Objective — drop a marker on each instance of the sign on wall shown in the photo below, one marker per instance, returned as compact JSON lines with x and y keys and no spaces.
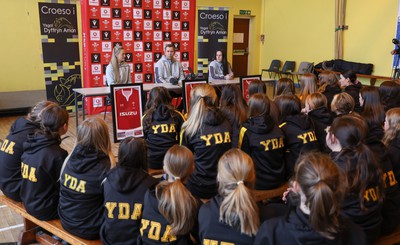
{"x":212,"y":35}
{"x":60,"y":47}
{"x":143,"y":28}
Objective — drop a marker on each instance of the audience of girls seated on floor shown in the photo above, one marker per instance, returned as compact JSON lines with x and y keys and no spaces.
{"x":125,"y":205}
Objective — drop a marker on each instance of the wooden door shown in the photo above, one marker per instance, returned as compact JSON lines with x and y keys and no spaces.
{"x":240,"y":46}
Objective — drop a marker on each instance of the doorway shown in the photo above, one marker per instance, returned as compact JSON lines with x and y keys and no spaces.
{"x":240,"y":53}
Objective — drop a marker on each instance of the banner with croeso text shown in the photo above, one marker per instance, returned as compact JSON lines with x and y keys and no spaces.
{"x":60,"y":51}
{"x":212,"y":35}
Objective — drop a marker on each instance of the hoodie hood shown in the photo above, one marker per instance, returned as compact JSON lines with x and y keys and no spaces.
{"x":37,"y":142}
{"x":23,"y":124}
{"x":126,"y":180}
{"x":302,"y":121}
{"x":162,"y":113}
{"x":84,"y":159}
{"x":259,"y":124}
{"x":321,"y":114}
{"x":214,"y":117}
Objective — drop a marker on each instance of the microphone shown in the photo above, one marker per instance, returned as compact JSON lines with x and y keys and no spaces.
{"x":395,"y":41}
{"x":192,"y":75}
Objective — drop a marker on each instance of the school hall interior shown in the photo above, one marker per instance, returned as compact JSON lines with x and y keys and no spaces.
{"x":278,"y":29}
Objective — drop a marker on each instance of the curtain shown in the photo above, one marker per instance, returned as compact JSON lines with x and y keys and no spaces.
{"x":340,"y":11}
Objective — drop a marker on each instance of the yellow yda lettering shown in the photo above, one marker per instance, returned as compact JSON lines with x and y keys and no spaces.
{"x":28,"y":172}
{"x":371,"y":194}
{"x":155,"y":230}
{"x":124,"y":211}
{"x":8,"y":147}
{"x":74,"y":183}
{"x":275,"y":143}
{"x":167,"y":237}
{"x":145,"y":224}
{"x":389,"y":178}
{"x":310,"y":135}
{"x":219,"y":138}
{"x":216,"y":242}
{"x":164,"y":128}
{"x":110,"y":206}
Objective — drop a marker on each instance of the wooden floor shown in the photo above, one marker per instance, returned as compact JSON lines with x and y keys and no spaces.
{"x":10,"y":222}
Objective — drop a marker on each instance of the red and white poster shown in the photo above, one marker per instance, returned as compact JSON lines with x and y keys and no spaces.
{"x":187,"y":86}
{"x":127,"y":110}
{"x":244,"y":85}
{"x":143,"y":28}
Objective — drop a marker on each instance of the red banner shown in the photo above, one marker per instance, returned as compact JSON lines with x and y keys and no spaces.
{"x":187,"y":86}
{"x":143,"y":28}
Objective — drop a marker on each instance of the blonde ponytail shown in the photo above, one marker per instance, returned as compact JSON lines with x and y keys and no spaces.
{"x":238,"y":208}
{"x":175,"y":202}
{"x":201,"y":97}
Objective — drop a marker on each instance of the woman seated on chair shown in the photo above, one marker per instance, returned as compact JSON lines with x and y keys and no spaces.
{"x":118,"y":72}
{"x":220,"y":68}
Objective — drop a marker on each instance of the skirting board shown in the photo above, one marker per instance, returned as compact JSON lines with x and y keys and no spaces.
{"x":10,"y":101}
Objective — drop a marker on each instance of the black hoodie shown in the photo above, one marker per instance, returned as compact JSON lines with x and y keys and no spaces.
{"x":155,"y":229}
{"x":162,"y":134}
{"x":393,"y":150}
{"x":295,"y":229}
{"x":321,"y":119}
{"x":262,"y":139}
{"x":354,"y":91}
{"x":299,"y":138}
{"x":330,"y":92}
{"x":369,"y":218}
{"x":212,"y":230}
{"x":124,"y":190}
{"x":40,"y":167}
{"x":391,"y":199}
{"x":210,"y":142}
{"x":81,"y":193}
{"x":10,"y":157}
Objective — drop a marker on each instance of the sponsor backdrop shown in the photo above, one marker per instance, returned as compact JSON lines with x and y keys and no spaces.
{"x":143,"y":28}
{"x":60,"y":47}
{"x":212,"y":35}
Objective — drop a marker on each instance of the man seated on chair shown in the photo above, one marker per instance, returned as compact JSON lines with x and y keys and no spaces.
{"x":167,"y":69}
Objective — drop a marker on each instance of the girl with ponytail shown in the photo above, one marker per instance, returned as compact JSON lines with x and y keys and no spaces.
{"x":118,"y":72}
{"x":12,"y":149}
{"x":231,"y":217}
{"x":208,"y":135}
{"x":316,"y":218}
{"x":363,"y":175}
{"x":81,"y":192}
{"x":170,"y":206}
{"x":41,"y":163}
